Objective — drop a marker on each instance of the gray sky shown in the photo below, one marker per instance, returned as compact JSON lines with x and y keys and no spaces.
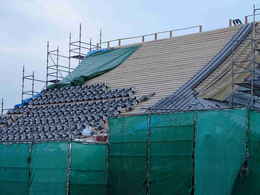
{"x":26,"y":25}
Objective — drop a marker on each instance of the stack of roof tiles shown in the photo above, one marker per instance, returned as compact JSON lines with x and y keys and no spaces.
{"x":62,"y":114}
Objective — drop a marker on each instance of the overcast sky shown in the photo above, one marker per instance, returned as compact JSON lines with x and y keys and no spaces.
{"x":26,"y":25}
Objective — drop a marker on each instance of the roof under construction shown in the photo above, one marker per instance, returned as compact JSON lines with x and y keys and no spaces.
{"x":202,"y":70}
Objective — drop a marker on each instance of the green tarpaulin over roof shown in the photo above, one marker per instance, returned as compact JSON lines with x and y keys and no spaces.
{"x":99,"y":63}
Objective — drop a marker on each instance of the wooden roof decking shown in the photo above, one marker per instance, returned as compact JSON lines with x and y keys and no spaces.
{"x":165,"y":65}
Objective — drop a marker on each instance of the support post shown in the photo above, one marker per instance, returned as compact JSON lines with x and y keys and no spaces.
{"x":69,"y":167}
{"x":148,"y":156}
{"x":100,"y":38}
{"x":29,"y":161}
{"x":69,"y":52}
{"x":22,"y":85}
{"x":200,"y":28}
{"x":170,"y":34}
{"x":80,"y":41}
{"x":57,"y":64}
{"x":230,"y":22}
{"x":33,"y":84}
{"x":155,"y":36}
{"x":246,"y":19}
{"x":2,"y":107}
{"x":90,"y":44}
{"x":253,"y":65}
{"x":47,"y":63}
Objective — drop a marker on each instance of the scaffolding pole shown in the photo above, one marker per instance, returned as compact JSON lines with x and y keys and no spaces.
{"x":100,"y":39}
{"x":32,"y":79}
{"x":55,"y":70}
{"x":2,"y":106}
{"x":79,"y":41}
{"x":237,"y":65}
{"x":69,"y":53}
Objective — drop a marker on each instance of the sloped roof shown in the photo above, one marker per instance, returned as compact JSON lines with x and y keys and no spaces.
{"x":185,"y":97}
{"x":163,"y":66}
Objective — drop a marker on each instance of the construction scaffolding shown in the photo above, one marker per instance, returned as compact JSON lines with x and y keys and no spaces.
{"x":245,"y":66}
{"x":3,"y":109}
{"x":54,"y":68}
{"x":2,"y":106}
{"x":31,"y":78}
{"x":58,"y":66}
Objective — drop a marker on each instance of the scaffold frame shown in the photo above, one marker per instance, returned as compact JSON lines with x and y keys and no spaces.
{"x":236,"y":63}
{"x":31,"y":78}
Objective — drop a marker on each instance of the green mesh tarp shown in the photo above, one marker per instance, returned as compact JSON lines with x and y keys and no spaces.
{"x":171,"y":153}
{"x":97,"y":64}
{"x":248,"y":183}
{"x":127,"y":163}
{"x":219,"y":150}
{"x":49,"y":169}
{"x":150,"y":153}
{"x":14,"y":170}
{"x":40,"y":169}
{"x":89,"y":169}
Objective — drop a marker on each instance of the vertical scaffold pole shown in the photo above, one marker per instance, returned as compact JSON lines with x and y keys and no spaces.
{"x":90,"y":44}
{"x":232,"y":77}
{"x":2,"y":106}
{"x":80,"y":41}
{"x":57,"y":65}
{"x":147,"y":183}
{"x":30,"y":150}
{"x":253,"y":49}
{"x":69,"y":52}
{"x":22,"y":85}
{"x":33,"y":84}
{"x":100,"y":39}
{"x":69,"y":164}
{"x":47,"y":64}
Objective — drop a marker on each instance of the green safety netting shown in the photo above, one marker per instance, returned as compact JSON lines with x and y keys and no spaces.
{"x":171,"y":167}
{"x":127,"y":157}
{"x":49,"y":169}
{"x":14,"y":169}
{"x":40,"y":169}
{"x":248,"y":183}
{"x":149,"y":154}
{"x":89,"y":169}
{"x":154,"y":153}
{"x":98,"y":64}
{"x":219,"y":150}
